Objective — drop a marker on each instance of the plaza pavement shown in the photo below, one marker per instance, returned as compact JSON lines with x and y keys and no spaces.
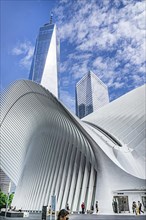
{"x":85,"y":217}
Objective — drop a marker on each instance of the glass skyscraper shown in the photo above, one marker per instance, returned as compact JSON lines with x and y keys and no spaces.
{"x":44,"y":68}
{"x":91,"y":94}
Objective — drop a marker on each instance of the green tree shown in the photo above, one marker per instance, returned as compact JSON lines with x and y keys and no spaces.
{"x":10,"y":199}
{"x":4,"y":198}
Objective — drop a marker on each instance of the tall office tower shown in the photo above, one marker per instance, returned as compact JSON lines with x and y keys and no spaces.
{"x":45,"y":63}
{"x":91,"y":94}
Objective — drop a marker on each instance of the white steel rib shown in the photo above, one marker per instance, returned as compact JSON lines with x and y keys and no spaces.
{"x":46,"y":150}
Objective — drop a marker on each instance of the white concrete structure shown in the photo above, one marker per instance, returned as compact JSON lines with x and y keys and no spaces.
{"x":91,"y":94}
{"x":44,"y":68}
{"x":46,"y":150}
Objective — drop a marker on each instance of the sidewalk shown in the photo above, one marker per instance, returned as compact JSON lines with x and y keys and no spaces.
{"x":118,"y":214}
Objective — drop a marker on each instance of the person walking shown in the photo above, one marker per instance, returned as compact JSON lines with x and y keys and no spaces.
{"x":134,"y":208}
{"x":63,"y":215}
{"x":96,"y":206}
{"x":67,"y":207}
{"x":115,"y":206}
{"x":83,"y":207}
{"x":92,"y":208}
{"x":49,"y":211}
{"x":139,"y":207}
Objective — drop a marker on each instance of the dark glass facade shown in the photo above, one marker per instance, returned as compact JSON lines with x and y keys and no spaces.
{"x":91,"y":94}
{"x":41,"y":51}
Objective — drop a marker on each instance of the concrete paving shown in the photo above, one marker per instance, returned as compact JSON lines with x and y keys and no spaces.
{"x":85,"y":217}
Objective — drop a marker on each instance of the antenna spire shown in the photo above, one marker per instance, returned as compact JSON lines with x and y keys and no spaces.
{"x":51,"y":17}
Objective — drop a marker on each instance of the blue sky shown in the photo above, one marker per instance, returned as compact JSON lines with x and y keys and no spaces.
{"x":105,"y":36}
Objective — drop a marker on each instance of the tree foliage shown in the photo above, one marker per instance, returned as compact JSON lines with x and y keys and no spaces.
{"x":4,"y":198}
{"x":10,"y":199}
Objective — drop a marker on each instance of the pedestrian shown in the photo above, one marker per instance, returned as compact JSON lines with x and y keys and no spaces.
{"x":115,"y":206}
{"x":96,"y":206}
{"x":63,"y":215}
{"x":92,"y":207}
{"x":67,"y":207}
{"x":83,"y":207}
{"x":14,"y":208}
{"x":134,"y":208}
{"x":49,"y":210}
{"x":139,"y":207}
{"x":20,"y":210}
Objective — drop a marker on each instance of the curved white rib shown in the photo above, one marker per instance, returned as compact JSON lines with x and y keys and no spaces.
{"x":48,"y":151}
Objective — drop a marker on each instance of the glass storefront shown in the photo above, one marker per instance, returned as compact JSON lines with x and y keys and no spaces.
{"x":143,"y":198}
{"x":120,"y":204}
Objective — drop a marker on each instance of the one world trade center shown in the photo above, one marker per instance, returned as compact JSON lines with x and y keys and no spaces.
{"x":45,"y":63}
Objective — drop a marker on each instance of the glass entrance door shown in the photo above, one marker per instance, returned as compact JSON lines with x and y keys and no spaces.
{"x":122,"y":203}
{"x":144,"y":202}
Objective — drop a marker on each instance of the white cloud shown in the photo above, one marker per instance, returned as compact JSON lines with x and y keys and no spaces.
{"x":79,"y":69}
{"x":142,"y":68}
{"x":118,"y":85}
{"x":63,"y":66}
{"x":103,"y":28}
{"x":99,"y":63}
{"x":137,"y":79}
{"x":17,"y":51}
{"x":25,"y":52}
{"x":65,"y":81}
{"x":63,"y":1}
{"x":79,"y":56}
{"x":112,"y":33}
{"x":68,"y":100}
